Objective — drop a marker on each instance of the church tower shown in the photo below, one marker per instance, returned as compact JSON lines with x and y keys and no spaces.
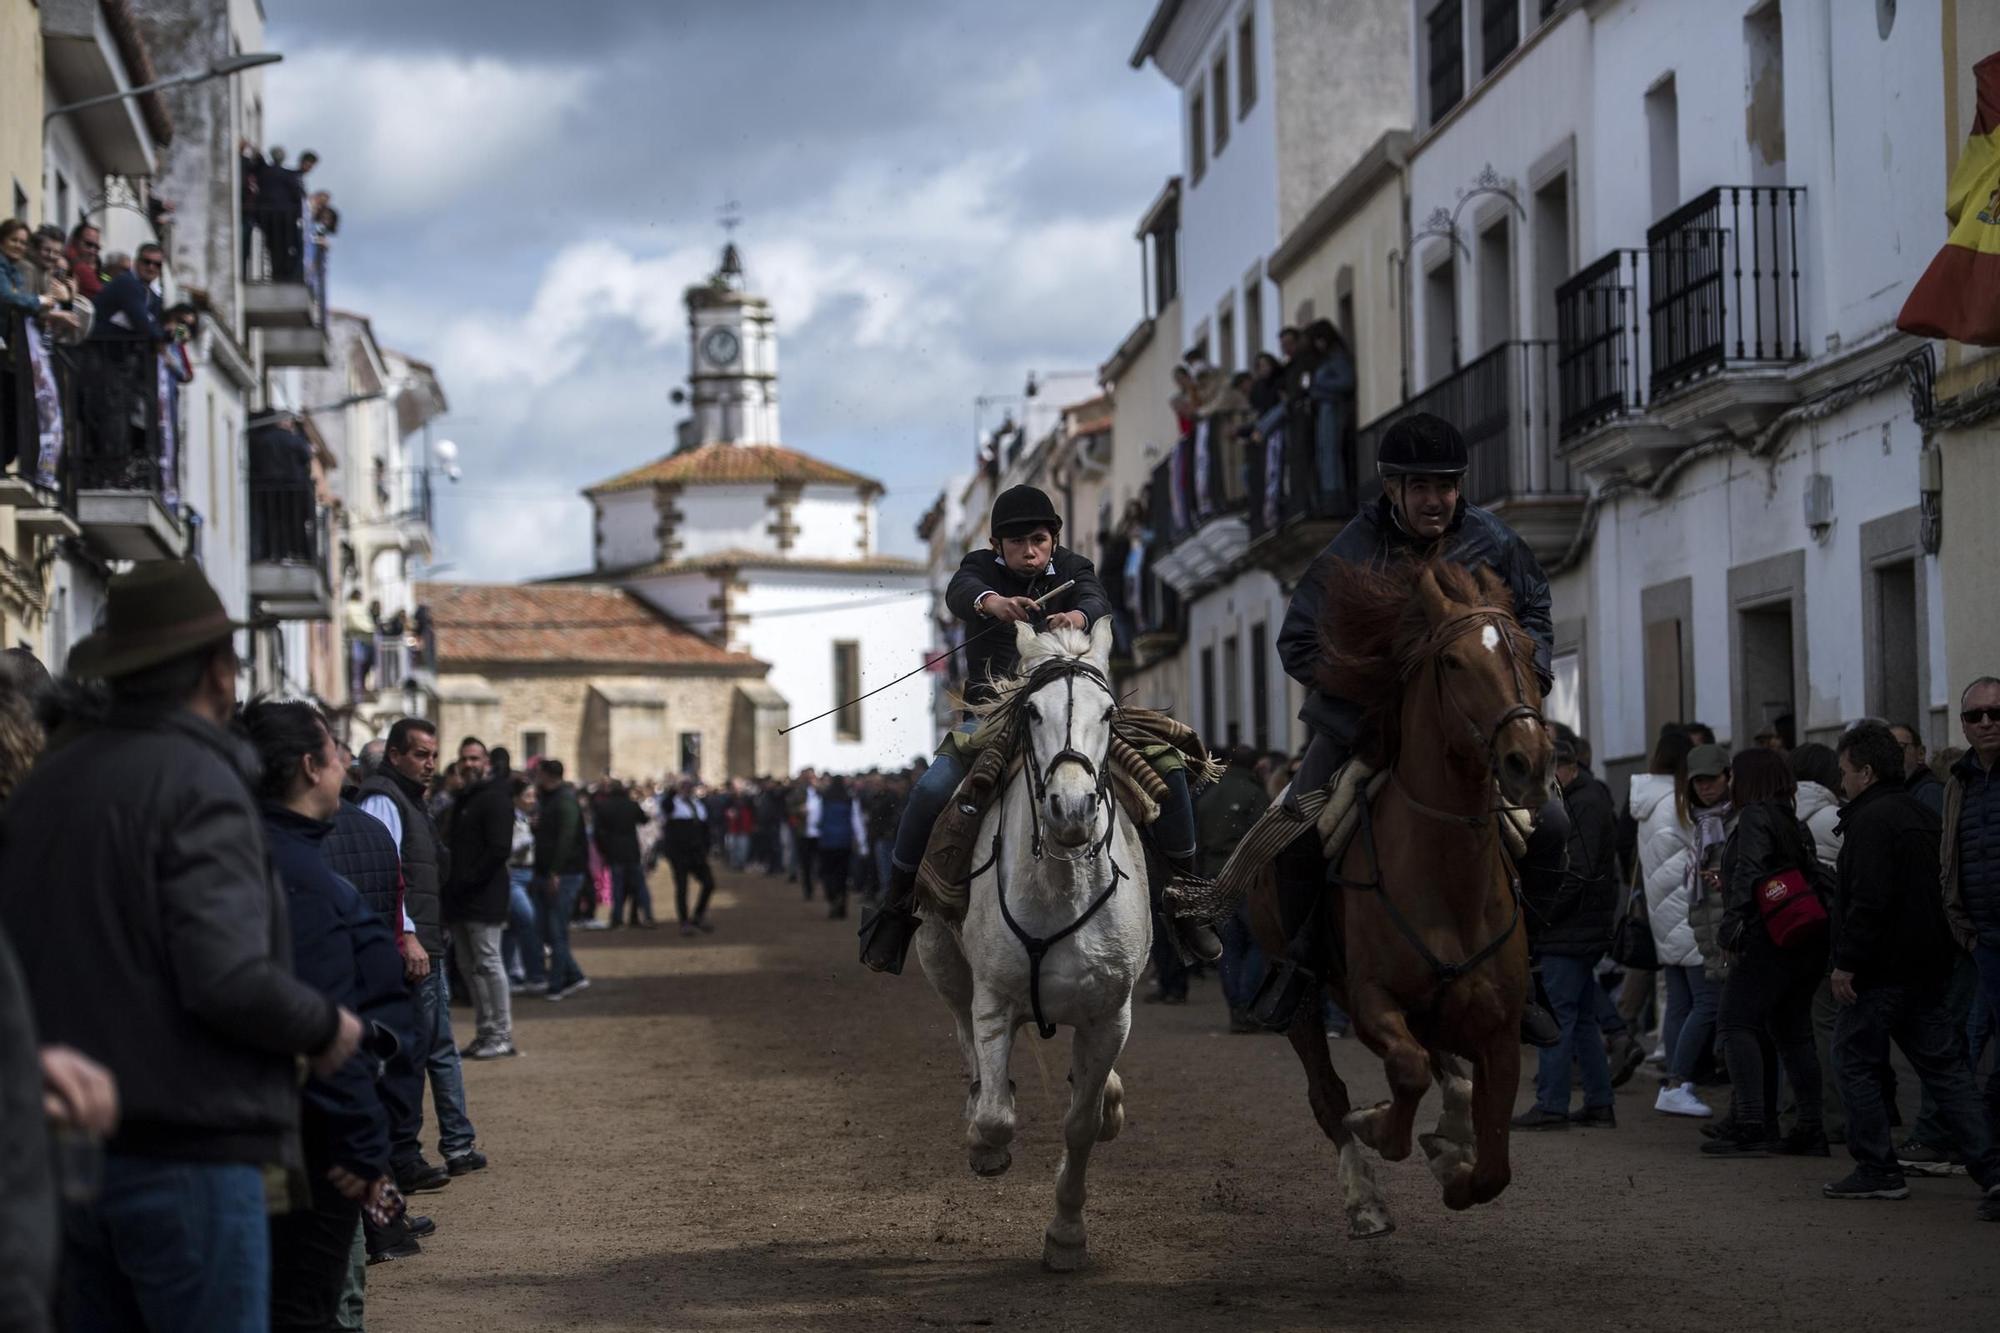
{"x":732,"y":361}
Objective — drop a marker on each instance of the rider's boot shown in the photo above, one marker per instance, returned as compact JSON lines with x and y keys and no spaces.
{"x":1197,"y":938}
{"x":1538,"y":1025}
{"x":887,"y":931}
{"x":1291,"y":979}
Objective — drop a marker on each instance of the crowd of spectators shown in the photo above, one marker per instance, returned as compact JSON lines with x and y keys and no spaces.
{"x":292,"y":223}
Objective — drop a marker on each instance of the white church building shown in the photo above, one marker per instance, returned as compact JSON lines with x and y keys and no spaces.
{"x":770,"y":551}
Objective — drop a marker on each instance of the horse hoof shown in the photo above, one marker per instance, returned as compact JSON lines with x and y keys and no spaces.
{"x":1369,"y":1222}
{"x":991,"y":1162}
{"x":1114,"y":1120}
{"x":1060,"y":1257}
{"x":1361,"y":1124}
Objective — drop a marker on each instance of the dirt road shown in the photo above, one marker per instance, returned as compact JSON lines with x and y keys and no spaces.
{"x":746,"y":1131}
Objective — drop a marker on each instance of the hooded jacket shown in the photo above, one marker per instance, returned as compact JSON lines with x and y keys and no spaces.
{"x":1474,"y":538}
{"x":1819,"y":811}
{"x":989,"y":649}
{"x":1888,"y":911}
{"x":1666,"y":849}
{"x":166,"y":957}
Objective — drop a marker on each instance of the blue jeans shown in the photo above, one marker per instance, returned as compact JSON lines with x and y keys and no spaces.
{"x":1569,"y":982}
{"x":439,"y":1053}
{"x":1173,"y":830}
{"x":170,"y":1245}
{"x":1242,"y":962}
{"x":1689,"y":1027}
{"x":522,"y":944}
{"x":552,"y":915}
{"x":628,"y":884}
{"x":1921,"y":1027}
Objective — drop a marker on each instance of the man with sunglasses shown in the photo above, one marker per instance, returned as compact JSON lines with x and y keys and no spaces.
{"x":129,"y":309}
{"x":1971,"y":849}
{"x":84,"y":251}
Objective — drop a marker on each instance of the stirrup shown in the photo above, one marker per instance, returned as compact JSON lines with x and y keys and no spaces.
{"x":1286,"y":985}
{"x":886,"y":933}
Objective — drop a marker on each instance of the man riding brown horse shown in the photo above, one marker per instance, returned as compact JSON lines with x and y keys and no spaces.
{"x":1422,"y":513}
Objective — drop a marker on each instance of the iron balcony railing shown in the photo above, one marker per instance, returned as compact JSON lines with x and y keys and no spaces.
{"x":1600,"y":349}
{"x":288,"y":525}
{"x":1723,"y":270}
{"x":1504,"y":405}
{"x":1201,"y":479}
{"x":127,"y":435}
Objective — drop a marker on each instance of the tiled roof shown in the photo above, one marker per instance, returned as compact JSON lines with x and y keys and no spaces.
{"x":872,"y":564}
{"x":718,"y":463}
{"x":566,"y":623}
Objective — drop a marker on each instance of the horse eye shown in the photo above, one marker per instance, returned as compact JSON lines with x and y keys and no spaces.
{"x":1452,"y":662}
{"x":1034,"y":713}
{"x":1110,"y":713}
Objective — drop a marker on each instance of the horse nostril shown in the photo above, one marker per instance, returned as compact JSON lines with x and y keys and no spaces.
{"x":1516,"y":767}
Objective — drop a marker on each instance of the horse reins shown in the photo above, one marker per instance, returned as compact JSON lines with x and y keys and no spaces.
{"x":1038,"y":946}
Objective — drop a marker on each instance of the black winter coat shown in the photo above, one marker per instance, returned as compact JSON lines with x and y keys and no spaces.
{"x":360,"y":851}
{"x":1888,"y":911}
{"x":1475,"y":538}
{"x":137,"y":890}
{"x":346,"y":952}
{"x":1573,"y":912}
{"x":616,"y":829}
{"x":1767,"y":841}
{"x":425,"y":858}
{"x":994,"y":656}
{"x":482,"y":838}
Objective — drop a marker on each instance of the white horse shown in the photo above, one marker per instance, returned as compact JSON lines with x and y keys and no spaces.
{"x":1061,"y":870}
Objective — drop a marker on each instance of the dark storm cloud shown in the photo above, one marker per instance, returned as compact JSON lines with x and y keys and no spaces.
{"x":935,"y":195}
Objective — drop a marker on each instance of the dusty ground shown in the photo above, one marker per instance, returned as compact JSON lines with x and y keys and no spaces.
{"x":746,"y":1131}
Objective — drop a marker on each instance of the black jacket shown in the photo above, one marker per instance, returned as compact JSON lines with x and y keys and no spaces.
{"x":345,"y":951}
{"x":1373,"y":537}
{"x":993,"y":655}
{"x":559,"y":847}
{"x":1888,"y":910}
{"x":29,"y":1222}
{"x":1573,"y":912}
{"x":482,"y":838}
{"x":166,"y":954}
{"x":360,"y":851}
{"x":1767,"y":841}
{"x":615,"y":830}
{"x":426,"y":861}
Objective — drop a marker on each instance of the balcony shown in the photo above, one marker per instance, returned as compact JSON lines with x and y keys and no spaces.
{"x":284,"y":291}
{"x":1295,"y":507}
{"x":1200,"y":505}
{"x":289,"y":552}
{"x":1697,"y":331}
{"x":1504,"y":405}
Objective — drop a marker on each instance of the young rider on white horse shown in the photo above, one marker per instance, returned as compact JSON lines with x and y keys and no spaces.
{"x":994,"y":587}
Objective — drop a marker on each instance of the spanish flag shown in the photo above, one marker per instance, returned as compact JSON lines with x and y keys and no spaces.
{"x":1959,"y":295}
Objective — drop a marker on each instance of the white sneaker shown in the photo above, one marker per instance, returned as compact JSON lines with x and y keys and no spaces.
{"x":1682,"y":1101}
{"x":1658,"y":1057}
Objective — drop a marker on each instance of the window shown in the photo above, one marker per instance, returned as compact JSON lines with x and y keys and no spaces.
{"x":61,"y":214}
{"x":1440,"y":321}
{"x":1564,"y":703}
{"x":20,"y":202}
{"x":1208,"y":724}
{"x":1496,"y":286}
{"x":1232,"y":690}
{"x":1260,"y":687}
{"x":1253,"y":319}
{"x":1218,"y":78}
{"x":1225,"y":338}
{"x":847,"y":684}
{"x":1764,"y":99}
{"x":1550,"y":221}
{"x":1246,"y":62}
{"x":1499,"y":32}
{"x":1445,"y":30}
{"x":534,"y":745}
{"x":1166,"y":267}
{"x":691,"y":753}
{"x":1197,"y":149}
{"x":1896,"y":682}
{"x":1663,"y":145}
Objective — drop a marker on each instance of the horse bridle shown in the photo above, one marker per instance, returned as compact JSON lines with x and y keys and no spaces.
{"x":1039,"y":775}
{"x":1430,"y":653}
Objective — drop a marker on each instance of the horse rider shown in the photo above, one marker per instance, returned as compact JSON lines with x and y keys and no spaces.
{"x":996,"y":586}
{"x":1422,"y":512}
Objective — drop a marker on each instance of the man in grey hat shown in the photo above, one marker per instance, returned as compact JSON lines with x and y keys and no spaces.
{"x":166,"y":957}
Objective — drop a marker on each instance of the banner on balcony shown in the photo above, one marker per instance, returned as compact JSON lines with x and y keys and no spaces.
{"x":1204,"y":503}
{"x":1272,"y":500}
{"x":1178,"y":488}
{"x":1958,"y":296}
{"x":170,"y":474}
{"x":48,"y":408}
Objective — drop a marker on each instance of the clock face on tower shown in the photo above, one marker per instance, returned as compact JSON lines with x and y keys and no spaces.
{"x":720,"y":347}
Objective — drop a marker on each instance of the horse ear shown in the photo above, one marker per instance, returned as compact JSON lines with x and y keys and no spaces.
{"x":1431,"y":597}
{"x":1492,"y":587}
{"x":1100,"y":643}
{"x":1024,"y":636}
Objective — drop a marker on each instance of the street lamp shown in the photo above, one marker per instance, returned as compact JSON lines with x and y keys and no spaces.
{"x":221,"y":69}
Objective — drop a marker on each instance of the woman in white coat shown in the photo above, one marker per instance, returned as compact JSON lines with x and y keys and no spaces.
{"x":1659,"y":801}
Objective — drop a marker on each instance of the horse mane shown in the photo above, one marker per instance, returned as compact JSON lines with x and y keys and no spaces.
{"x":1372,"y":625}
{"x":1049,"y":643}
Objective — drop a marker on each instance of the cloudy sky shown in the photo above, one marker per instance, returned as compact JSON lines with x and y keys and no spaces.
{"x":938,"y":196}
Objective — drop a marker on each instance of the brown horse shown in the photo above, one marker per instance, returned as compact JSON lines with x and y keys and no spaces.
{"x":1422,"y":923}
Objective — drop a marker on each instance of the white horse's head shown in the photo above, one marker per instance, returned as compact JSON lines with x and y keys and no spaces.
{"x":1066,"y":720}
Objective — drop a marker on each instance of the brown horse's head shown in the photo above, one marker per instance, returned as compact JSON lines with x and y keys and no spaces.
{"x":1435,"y":638}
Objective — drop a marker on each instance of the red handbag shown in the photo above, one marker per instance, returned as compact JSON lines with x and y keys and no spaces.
{"x":1790,"y":908}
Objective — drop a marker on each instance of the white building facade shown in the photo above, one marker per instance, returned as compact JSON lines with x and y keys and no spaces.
{"x":772,"y":552}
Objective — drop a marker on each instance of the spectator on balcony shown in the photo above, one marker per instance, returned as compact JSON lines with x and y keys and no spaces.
{"x":68,"y":321}
{"x":281,"y":496}
{"x":360,"y":626}
{"x":129,"y":309}
{"x":250,"y":170}
{"x":1331,"y":393}
{"x":281,"y":202}
{"x":1183,"y":400}
{"x":84,"y":253}
{"x":19,"y":292}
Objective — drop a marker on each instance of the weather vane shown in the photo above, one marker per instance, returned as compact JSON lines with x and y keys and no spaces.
{"x":732,"y":217}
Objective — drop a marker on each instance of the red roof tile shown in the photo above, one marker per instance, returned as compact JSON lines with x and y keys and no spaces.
{"x":575,"y":623}
{"x":718,"y":463}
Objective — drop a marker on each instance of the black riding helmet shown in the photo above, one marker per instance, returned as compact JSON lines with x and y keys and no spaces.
{"x":1422,"y":445}
{"x":1021,"y":509}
